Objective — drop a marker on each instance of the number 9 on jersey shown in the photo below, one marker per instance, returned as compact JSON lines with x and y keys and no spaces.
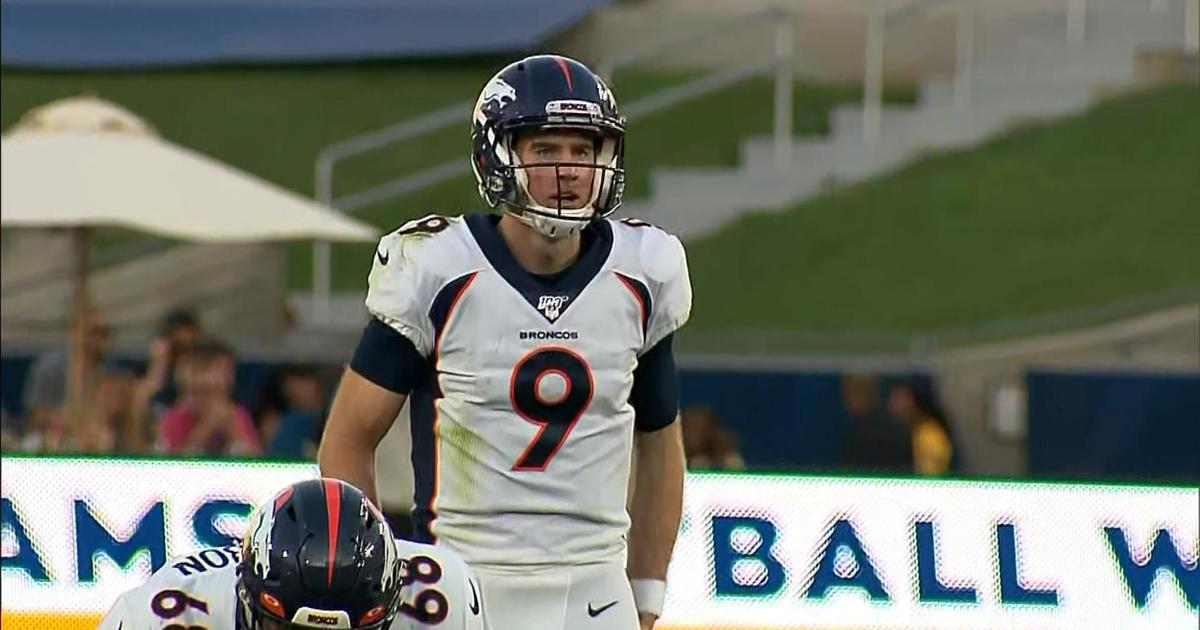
{"x":550,"y":387}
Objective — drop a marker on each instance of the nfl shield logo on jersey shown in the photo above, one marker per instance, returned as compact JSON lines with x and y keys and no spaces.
{"x":550,"y":305}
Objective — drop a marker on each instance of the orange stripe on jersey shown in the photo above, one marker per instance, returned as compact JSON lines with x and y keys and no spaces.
{"x":437,"y":355}
{"x":641,"y":294}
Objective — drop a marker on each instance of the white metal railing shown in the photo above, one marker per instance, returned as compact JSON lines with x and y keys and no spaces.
{"x":877,"y":20}
{"x":780,"y":62}
{"x":1191,"y":25}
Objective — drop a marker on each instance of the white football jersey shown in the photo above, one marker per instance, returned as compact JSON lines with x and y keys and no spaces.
{"x":199,"y":591}
{"x":522,"y":433}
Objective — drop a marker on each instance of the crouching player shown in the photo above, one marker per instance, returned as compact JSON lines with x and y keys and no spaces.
{"x":317,"y":555}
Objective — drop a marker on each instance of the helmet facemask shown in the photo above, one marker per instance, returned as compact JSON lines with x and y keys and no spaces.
{"x":560,"y":215}
{"x":548,"y":93}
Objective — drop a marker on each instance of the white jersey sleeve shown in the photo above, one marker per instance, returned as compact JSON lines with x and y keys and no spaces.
{"x":402,"y":284}
{"x":664,"y":264}
{"x":441,"y":592}
{"x":188,"y":592}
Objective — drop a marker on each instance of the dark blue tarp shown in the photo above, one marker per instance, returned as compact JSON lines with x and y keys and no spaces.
{"x":149,"y":33}
{"x":1114,"y":425}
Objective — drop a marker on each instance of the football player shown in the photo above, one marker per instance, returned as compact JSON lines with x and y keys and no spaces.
{"x":534,"y":348}
{"x":317,"y":555}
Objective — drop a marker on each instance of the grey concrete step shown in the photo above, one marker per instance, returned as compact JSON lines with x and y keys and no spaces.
{"x":942,"y":127}
{"x":1054,"y":100}
{"x":694,"y":201}
{"x":825,"y":158}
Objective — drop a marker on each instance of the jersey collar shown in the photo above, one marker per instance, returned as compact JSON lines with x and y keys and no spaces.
{"x":568,"y":284}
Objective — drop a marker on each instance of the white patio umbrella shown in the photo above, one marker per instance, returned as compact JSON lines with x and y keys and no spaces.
{"x":82,"y":163}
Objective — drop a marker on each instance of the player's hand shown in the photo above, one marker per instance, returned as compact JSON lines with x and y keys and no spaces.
{"x":646,"y":621}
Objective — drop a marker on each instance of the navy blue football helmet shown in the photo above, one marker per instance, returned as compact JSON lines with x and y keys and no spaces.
{"x":546,"y":92}
{"x":318,"y":554}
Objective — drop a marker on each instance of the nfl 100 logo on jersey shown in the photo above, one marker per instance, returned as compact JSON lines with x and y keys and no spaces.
{"x":551,"y":305}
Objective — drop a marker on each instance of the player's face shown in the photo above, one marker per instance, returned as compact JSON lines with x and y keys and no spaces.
{"x":570,"y":159}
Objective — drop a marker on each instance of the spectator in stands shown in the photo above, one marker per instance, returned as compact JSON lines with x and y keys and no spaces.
{"x":873,"y":440}
{"x":8,"y":431}
{"x":206,"y":420}
{"x":725,"y":454}
{"x":158,"y":388}
{"x":706,"y":444}
{"x":291,"y":412}
{"x":176,"y":335}
{"x":270,"y":403}
{"x":107,"y":421}
{"x":699,"y":424}
{"x":46,"y":386}
{"x":931,"y":440}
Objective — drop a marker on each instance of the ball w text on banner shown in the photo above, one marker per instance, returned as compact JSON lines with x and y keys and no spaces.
{"x":760,"y":551}
{"x":754,"y":551}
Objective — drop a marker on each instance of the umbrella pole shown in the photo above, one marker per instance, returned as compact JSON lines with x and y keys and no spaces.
{"x":79,"y":365}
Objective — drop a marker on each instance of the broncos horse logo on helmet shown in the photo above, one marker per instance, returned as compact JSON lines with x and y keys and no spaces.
{"x":318,"y":554}
{"x":546,"y":92}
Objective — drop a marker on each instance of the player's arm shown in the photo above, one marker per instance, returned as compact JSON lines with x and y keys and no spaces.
{"x":388,"y":362}
{"x":658,"y":477}
{"x":361,"y":415}
{"x":657,"y":495}
{"x":385,"y":367}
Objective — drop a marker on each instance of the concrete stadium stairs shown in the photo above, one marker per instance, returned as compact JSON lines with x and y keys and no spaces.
{"x":1024,"y":71}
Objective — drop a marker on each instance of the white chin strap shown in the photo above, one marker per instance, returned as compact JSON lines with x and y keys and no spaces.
{"x":549,"y":226}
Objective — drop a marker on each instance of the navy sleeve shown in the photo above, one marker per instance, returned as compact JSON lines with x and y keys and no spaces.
{"x":655,"y":394}
{"x":388,"y":359}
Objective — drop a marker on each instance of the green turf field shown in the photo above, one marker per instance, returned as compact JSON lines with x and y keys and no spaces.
{"x":1081,"y":212}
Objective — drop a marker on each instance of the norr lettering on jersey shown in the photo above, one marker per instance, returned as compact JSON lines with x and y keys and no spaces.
{"x":207,"y":559}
